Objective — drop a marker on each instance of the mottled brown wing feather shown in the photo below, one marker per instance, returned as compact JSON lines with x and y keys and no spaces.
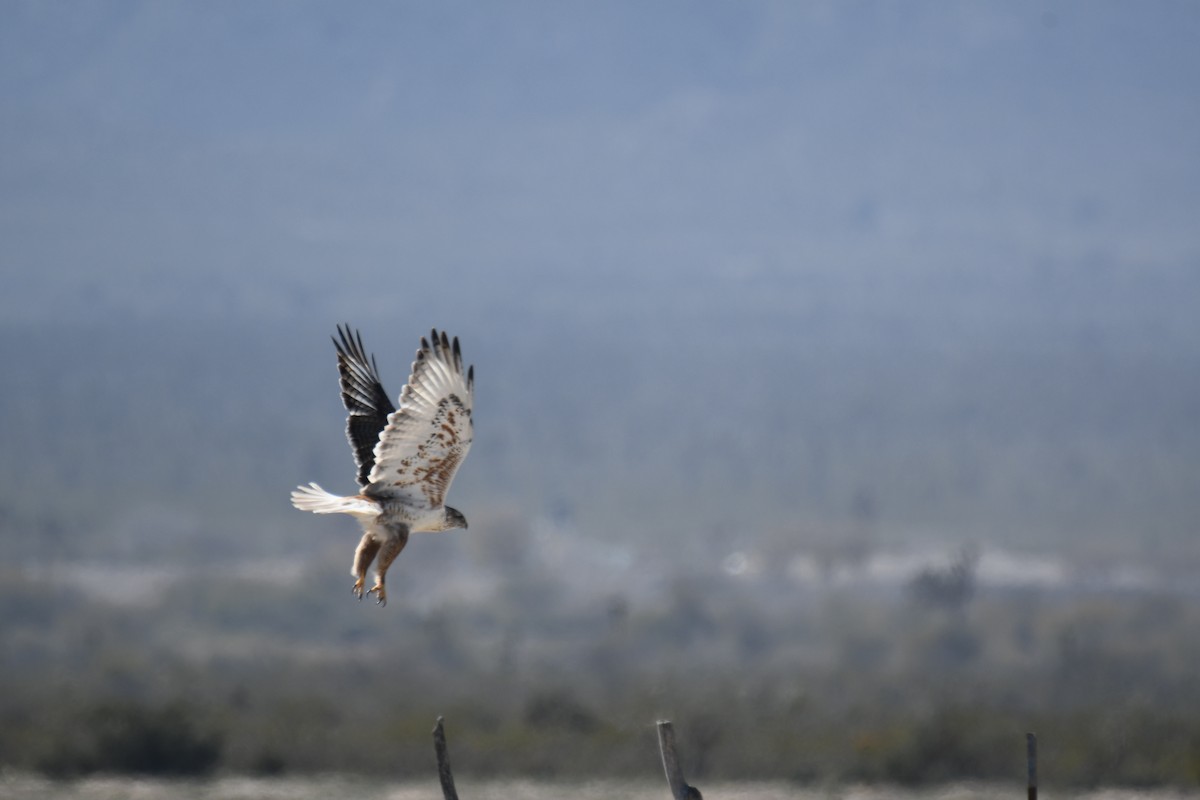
{"x":426,"y":440}
{"x":364,"y":398}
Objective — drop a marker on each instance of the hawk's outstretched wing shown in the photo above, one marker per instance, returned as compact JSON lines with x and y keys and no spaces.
{"x":364,"y":398}
{"x":426,"y":440}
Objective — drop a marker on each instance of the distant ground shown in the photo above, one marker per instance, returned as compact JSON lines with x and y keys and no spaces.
{"x":18,"y":787}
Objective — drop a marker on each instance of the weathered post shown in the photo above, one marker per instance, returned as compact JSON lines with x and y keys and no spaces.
{"x":443,"y":762}
{"x":1031,"y":765}
{"x":666,"y":745}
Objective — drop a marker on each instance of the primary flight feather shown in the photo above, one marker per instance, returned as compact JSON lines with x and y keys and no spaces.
{"x":406,"y":456}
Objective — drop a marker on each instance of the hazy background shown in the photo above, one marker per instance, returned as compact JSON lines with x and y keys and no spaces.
{"x":835,"y":361}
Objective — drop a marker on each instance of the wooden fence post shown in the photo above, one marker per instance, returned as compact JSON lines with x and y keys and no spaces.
{"x":680,"y":789}
{"x":1031,"y":765}
{"x":443,"y":762}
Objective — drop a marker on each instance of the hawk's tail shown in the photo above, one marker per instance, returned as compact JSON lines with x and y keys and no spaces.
{"x":315,"y":499}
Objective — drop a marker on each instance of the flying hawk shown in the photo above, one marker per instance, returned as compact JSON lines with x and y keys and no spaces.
{"x":406,"y":458}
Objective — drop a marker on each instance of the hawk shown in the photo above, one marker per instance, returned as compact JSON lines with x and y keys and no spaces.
{"x":406,"y":457}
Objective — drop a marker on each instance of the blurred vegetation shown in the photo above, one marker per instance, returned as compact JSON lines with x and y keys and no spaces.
{"x":130,"y":737}
{"x":763,"y":681}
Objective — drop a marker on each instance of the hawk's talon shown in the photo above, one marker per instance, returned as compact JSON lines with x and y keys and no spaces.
{"x":357,"y":591}
{"x":382,"y":599}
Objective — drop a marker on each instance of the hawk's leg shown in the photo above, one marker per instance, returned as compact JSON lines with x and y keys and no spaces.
{"x":363,"y":556}
{"x":391,"y":549}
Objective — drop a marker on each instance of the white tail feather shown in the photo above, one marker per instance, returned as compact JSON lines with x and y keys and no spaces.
{"x":315,"y":499}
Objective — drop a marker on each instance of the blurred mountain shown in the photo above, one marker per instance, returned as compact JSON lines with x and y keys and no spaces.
{"x":727,"y":272}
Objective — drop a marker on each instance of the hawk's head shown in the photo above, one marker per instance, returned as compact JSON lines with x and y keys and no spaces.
{"x":454,"y":518}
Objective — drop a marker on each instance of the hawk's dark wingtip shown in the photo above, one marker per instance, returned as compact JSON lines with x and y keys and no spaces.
{"x":441,"y":345}
{"x":349,"y":341}
{"x":363,"y":396}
